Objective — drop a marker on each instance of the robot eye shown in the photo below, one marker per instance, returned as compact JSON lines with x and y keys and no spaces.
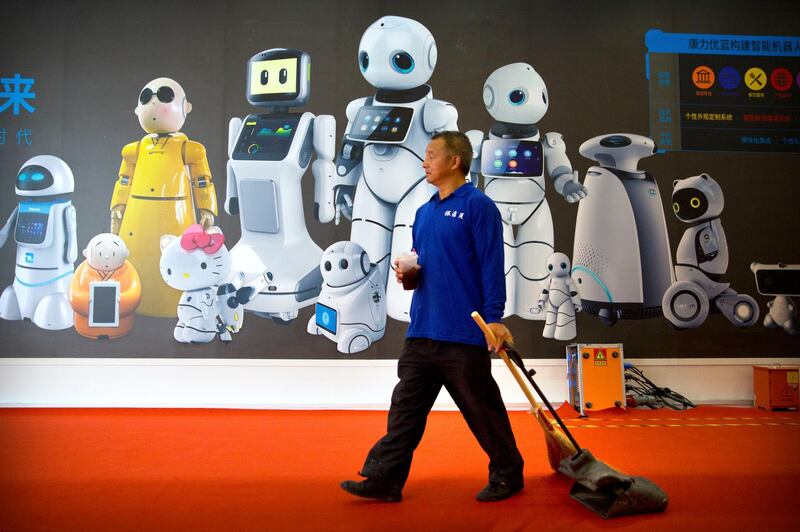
{"x":517,"y":97}
{"x":165,"y":94}
{"x":203,"y":265}
{"x":363,"y":61}
{"x":343,"y":264}
{"x":676,"y":207}
{"x":283,"y":76}
{"x":402,"y":62}
{"x":694,"y":202}
{"x":328,"y":266}
{"x":563,"y":265}
{"x":264,"y":77}
{"x":23,"y":176}
{"x":169,"y":271}
{"x":550,"y":267}
{"x":145,"y":96}
{"x":38,"y":176}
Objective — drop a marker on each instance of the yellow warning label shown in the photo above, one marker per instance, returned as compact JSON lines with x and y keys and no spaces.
{"x":792,"y":377}
{"x":600,"y":358}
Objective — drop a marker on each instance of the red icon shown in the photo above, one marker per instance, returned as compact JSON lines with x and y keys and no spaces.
{"x":512,"y":164}
{"x":781,"y":79}
{"x":703,"y":77}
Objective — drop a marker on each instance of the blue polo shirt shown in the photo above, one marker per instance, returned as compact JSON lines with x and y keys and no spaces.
{"x":459,"y":241}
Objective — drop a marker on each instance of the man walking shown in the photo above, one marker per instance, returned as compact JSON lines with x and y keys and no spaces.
{"x":458,"y":236}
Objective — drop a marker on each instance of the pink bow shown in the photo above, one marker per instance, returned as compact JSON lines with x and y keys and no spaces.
{"x":194,"y":237}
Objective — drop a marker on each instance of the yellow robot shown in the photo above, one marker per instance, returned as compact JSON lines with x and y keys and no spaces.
{"x":163,"y":178}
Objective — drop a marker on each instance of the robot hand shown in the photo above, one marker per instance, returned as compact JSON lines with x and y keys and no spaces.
{"x":574,"y":190}
{"x":116,"y":218}
{"x":343,"y":198}
{"x":206,"y":218}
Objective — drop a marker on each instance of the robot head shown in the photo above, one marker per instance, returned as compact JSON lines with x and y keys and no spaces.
{"x":162,"y":106}
{"x":697,"y":198}
{"x":515,"y":94}
{"x":397,"y":53}
{"x":280,"y":77}
{"x":344,"y":263}
{"x":106,"y":252}
{"x":44,"y":175}
{"x":197,"y":259}
{"x":558,"y":265}
{"x":618,"y":150}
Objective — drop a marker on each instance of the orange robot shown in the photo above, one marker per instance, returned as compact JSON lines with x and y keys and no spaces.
{"x":105,"y":289}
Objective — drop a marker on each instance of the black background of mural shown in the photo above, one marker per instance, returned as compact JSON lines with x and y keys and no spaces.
{"x":91,"y":59}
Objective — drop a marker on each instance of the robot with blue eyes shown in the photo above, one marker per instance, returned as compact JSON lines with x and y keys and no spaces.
{"x":512,"y":161}
{"x":269,"y":154}
{"x":702,"y":260}
{"x":380,"y":165}
{"x":45,"y":230}
{"x":559,"y":300}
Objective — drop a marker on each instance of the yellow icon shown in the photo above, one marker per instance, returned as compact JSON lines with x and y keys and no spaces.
{"x":703,"y":77}
{"x":755,"y":79}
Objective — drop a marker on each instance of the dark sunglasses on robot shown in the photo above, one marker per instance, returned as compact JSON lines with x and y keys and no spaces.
{"x":164,"y":95}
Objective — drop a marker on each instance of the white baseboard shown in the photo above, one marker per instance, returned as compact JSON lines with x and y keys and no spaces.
{"x":316,"y":384}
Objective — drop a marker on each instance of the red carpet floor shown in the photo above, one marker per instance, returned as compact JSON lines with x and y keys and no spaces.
{"x":140,"y":469}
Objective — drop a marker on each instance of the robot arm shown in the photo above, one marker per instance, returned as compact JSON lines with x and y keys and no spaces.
{"x":576,"y":297}
{"x":707,"y":245}
{"x":348,"y":165}
{"x":205,"y":195}
{"x":543,"y":298}
{"x":122,"y":189}
{"x":10,"y":224}
{"x":323,"y":168}
{"x":439,"y":116}
{"x":71,"y":240}
{"x":565,"y":181}
{"x":231,"y":189}
{"x":476,"y":139}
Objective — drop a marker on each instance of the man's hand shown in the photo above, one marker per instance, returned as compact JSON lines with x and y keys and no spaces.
{"x":397,"y":273}
{"x":501,"y":336}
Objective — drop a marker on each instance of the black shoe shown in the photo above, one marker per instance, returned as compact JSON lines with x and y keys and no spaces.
{"x":497,"y":491}
{"x":371,"y":489}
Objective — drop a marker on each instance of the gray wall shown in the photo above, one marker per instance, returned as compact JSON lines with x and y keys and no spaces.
{"x":91,"y":59}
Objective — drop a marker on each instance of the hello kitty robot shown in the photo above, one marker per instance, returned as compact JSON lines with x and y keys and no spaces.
{"x":196,"y":262}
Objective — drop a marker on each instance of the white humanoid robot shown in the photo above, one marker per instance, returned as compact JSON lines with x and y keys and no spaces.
{"x":782,"y":281}
{"x":352,"y":283}
{"x":621,"y":261}
{"x":513,"y":160}
{"x":269,"y":154}
{"x":380,"y":161}
{"x":702,"y":259}
{"x":45,"y":230}
{"x":559,"y":300}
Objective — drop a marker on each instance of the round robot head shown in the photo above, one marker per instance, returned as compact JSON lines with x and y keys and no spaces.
{"x":106,"y":252}
{"x":515,"y":94}
{"x":397,"y":53}
{"x":44,"y":175}
{"x":162,"y":106}
{"x":343,"y":264}
{"x":558,"y":265}
{"x":697,"y":198}
{"x":618,"y":150}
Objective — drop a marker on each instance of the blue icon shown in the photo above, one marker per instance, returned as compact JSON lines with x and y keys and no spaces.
{"x":29,"y":258}
{"x":527,"y":153}
{"x":729,"y":78}
{"x":384,"y":128}
{"x":512,"y":153}
{"x":397,"y":120}
{"x":498,"y":153}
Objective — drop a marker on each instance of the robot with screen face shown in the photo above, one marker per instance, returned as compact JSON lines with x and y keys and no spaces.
{"x":380,"y":163}
{"x":269,"y":154}
{"x":513,"y":160}
{"x":45,"y":230}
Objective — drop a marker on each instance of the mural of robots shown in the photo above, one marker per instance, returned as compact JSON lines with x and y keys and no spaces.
{"x":269,"y":154}
{"x":45,"y":230}
{"x":702,"y":259}
{"x":380,"y":161}
{"x":559,"y":300}
{"x":163,"y":178}
{"x":513,"y":160}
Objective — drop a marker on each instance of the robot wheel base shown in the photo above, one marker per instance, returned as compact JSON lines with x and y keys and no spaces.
{"x":685,"y":304}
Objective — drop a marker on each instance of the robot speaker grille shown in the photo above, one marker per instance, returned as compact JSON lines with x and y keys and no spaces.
{"x":591,"y":258}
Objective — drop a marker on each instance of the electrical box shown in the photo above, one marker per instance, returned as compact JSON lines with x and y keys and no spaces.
{"x":776,"y":387}
{"x":596,"y":376}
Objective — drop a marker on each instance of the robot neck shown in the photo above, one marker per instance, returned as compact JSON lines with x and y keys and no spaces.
{"x":707,"y":221}
{"x":403,"y":96}
{"x":506,"y":130}
{"x":55,"y":198}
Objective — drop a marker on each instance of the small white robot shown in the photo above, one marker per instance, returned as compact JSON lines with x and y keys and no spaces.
{"x":353,"y":283}
{"x":702,"y":259}
{"x":269,"y":154}
{"x":782,"y":281}
{"x":513,"y":160}
{"x":45,"y":230}
{"x":380,"y":161}
{"x":559,"y":300}
{"x":621,"y":260}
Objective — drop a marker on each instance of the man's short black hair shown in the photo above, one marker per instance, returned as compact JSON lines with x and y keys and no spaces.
{"x":458,"y":144}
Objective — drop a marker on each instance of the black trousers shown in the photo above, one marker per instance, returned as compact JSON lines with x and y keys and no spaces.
{"x":465,"y":371}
